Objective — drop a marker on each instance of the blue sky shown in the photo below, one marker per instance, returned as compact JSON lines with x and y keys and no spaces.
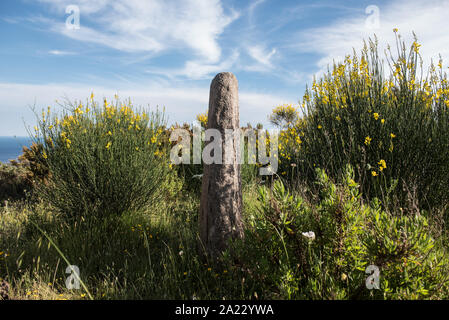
{"x":165,"y":53}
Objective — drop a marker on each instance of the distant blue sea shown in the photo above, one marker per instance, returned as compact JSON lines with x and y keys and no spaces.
{"x":11,"y":147}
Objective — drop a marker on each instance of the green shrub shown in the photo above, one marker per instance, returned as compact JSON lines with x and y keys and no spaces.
{"x":19,"y":177}
{"x":14,"y":182}
{"x":31,"y":159}
{"x":348,"y":236}
{"x":103,"y":160}
{"x":390,"y":121}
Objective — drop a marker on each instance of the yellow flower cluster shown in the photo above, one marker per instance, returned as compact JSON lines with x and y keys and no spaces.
{"x":285,"y":109}
{"x":110,"y":118}
{"x":202,"y":118}
{"x":284,"y":115}
{"x":289,"y":142}
{"x":66,"y":140}
{"x":368,"y":140}
{"x":382,"y":165}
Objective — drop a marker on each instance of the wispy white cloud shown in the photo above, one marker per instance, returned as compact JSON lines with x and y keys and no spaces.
{"x":151,"y":26}
{"x":427,"y":19}
{"x":197,"y":69}
{"x":252,"y":7}
{"x":10,"y":20}
{"x":60,"y":53}
{"x":263,"y":58}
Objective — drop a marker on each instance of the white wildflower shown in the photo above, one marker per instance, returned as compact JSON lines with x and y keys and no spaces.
{"x":309,"y":235}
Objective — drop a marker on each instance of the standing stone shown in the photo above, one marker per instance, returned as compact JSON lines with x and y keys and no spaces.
{"x":221,"y":193}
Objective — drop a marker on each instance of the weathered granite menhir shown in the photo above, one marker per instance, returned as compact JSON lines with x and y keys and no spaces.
{"x":221,"y":193}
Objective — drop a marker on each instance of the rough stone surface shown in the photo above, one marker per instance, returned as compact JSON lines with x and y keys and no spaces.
{"x":221,"y":194}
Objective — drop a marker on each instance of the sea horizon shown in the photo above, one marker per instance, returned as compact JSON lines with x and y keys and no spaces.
{"x":11,"y":147}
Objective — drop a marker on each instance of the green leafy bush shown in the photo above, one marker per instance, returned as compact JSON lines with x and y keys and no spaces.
{"x":321,"y":250}
{"x":103,"y":160}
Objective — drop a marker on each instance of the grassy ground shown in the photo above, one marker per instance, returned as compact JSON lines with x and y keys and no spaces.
{"x":153,"y":254}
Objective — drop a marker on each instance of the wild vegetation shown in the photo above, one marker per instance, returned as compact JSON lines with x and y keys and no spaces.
{"x":362,"y":180}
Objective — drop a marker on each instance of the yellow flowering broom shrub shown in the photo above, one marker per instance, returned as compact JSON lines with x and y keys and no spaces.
{"x":103,"y":159}
{"x":284,"y":116}
{"x":388,"y":118}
